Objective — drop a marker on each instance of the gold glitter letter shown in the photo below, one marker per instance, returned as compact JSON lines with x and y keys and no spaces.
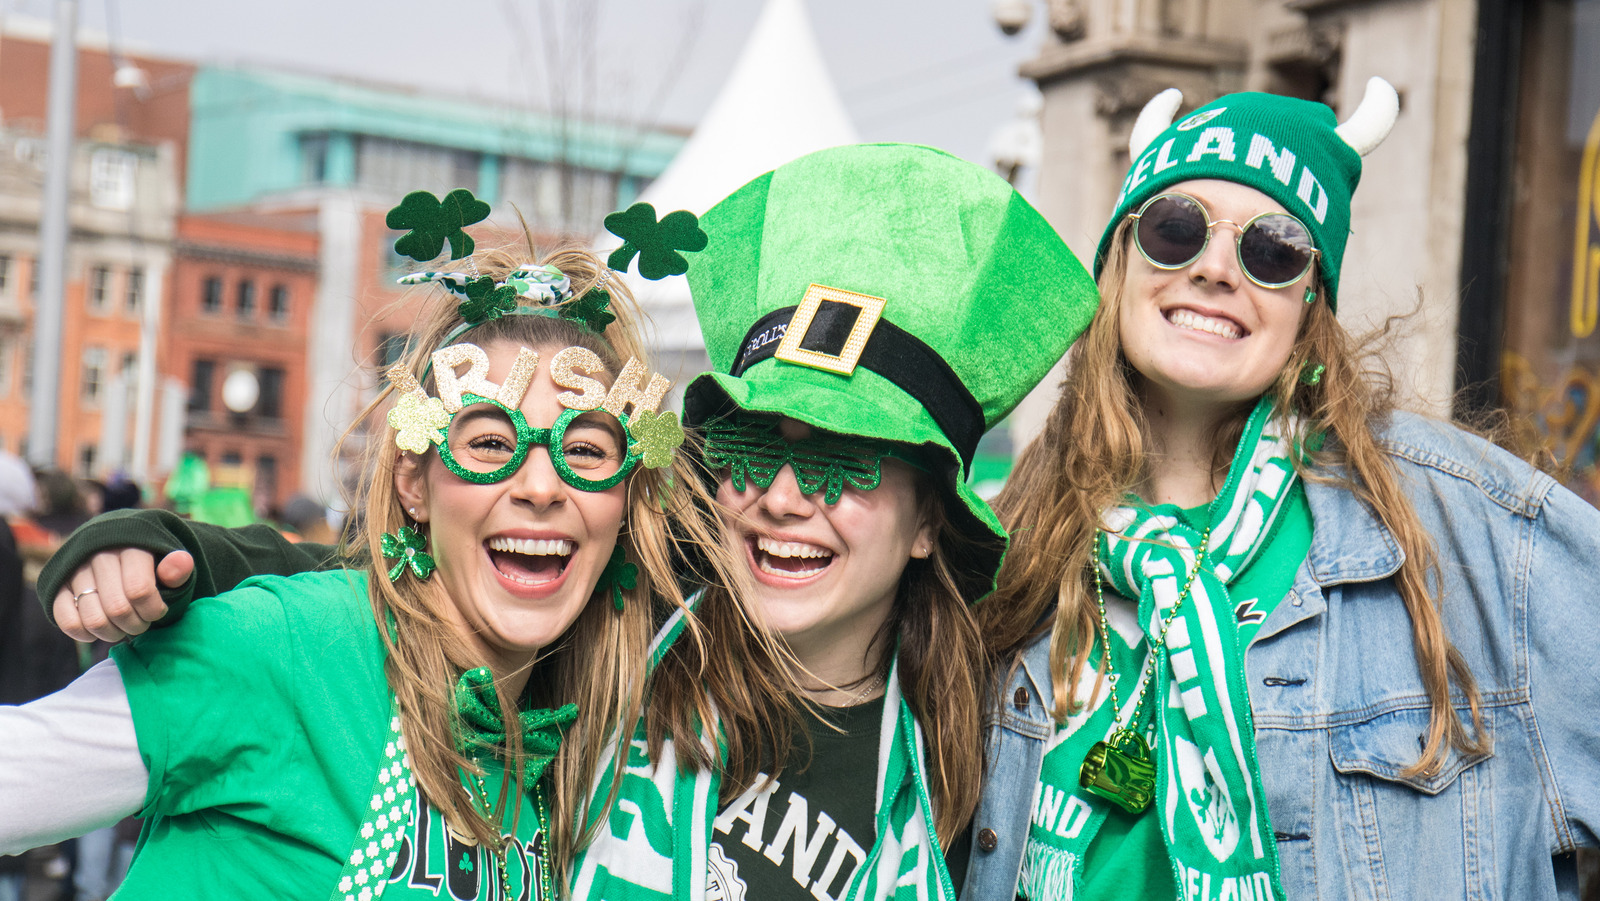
{"x":517,"y":380}
{"x":445,"y":361}
{"x":564,"y":369}
{"x":625,"y":391}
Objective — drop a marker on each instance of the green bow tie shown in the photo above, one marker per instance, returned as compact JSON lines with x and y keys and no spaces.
{"x":482,"y":727}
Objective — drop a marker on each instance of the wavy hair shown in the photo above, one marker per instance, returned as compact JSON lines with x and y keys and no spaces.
{"x":600,"y":661}
{"x":744,"y":678}
{"x":1093,"y":451}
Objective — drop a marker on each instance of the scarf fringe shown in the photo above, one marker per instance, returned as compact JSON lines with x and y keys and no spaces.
{"x":1047,"y":873}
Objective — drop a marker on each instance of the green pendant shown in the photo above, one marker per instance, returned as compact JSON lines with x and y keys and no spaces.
{"x":1121,"y":770}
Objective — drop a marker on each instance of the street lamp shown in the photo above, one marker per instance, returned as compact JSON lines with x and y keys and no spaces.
{"x":1011,"y":15}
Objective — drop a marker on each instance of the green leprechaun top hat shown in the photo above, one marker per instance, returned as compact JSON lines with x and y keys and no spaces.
{"x":892,"y":292}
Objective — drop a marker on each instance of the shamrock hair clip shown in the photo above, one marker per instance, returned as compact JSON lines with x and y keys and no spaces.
{"x":432,"y":222}
{"x":656,"y":243}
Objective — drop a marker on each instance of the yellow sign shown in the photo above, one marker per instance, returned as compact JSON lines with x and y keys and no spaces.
{"x":1586,"y":249}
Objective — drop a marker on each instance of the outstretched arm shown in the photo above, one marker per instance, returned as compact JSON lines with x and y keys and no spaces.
{"x":121,"y":572}
{"x":70,"y":762}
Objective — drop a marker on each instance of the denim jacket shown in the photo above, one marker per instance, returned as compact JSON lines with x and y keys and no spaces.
{"x":1339,"y":705}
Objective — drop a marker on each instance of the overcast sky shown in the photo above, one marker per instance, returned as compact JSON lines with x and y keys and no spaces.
{"x":930,"y":71}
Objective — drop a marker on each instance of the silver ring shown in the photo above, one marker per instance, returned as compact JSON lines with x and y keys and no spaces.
{"x":79,"y":596}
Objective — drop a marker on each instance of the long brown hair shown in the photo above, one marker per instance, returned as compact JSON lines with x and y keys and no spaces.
{"x":1092,"y":452}
{"x":745,"y":675}
{"x":599,"y":662}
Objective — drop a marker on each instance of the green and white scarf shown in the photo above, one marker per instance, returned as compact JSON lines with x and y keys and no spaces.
{"x":1208,"y":784}
{"x":655,"y":841}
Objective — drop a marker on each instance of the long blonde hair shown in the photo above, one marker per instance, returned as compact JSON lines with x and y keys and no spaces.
{"x":1092,"y":452}
{"x":600,"y":661}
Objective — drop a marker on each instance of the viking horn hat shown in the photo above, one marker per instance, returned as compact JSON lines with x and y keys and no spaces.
{"x":1294,"y":151}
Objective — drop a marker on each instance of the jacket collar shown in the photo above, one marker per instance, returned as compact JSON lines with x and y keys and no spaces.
{"x":1349,"y":543}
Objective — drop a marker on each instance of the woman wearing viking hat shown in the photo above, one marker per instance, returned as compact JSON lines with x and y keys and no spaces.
{"x":1270,"y":637}
{"x":344,"y":733}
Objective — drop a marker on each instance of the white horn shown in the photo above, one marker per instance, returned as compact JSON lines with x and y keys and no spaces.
{"x":1153,"y":120}
{"x":1370,"y":123}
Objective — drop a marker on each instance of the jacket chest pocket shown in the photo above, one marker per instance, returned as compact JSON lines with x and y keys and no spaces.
{"x":1387,"y":822}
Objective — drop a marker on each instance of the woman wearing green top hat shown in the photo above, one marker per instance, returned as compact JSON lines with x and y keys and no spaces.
{"x":1271,"y":637}
{"x":870,"y":312}
{"x":344,"y":733}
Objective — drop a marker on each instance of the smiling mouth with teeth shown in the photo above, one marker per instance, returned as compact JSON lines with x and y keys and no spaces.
{"x":1193,"y":321}
{"x":530,"y":561}
{"x":790,"y":559}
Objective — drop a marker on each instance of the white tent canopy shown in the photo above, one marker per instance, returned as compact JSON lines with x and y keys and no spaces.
{"x":778,"y":104}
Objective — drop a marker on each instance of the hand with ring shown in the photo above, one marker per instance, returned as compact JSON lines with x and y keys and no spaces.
{"x":117,"y":594}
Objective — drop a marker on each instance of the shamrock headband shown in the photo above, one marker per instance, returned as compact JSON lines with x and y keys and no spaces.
{"x":547,"y":287}
{"x":493,"y":441}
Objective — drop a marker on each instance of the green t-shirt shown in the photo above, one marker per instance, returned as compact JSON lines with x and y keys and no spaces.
{"x":804,"y":835}
{"x":1127,"y":858}
{"x":263,"y":717}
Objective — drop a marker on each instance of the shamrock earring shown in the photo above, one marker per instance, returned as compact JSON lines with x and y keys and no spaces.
{"x":407,"y":547}
{"x":1311,"y":373}
{"x":617,"y":575}
{"x":1311,"y":296}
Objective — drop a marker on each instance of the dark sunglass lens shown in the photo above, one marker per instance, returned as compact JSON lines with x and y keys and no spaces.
{"x":1276,"y":250}
{"x":1172,"y":231}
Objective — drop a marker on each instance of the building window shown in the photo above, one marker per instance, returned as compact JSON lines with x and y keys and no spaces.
{"x":267,"y":478}
{"x":246,"y":306}
{"x":111,"y":179}
{"x":94,"y":373}
{"x":314,"y":158}
{"x":8,"y":346}
{"x":135,"y":296}
{"x":200,"y":386}
{"x":278,"y":303}
{"x":5,"y":273}
{"x":231,"y":458}
{"x":130,"y":368}
{"x":391,"y":349}
{"x":99,"y":288}
{"x":86,"y":457}
{"x":269,"y":404}
{"x":27,"y":368}
{"x":33,"y":279}
{"x":211,"y":294}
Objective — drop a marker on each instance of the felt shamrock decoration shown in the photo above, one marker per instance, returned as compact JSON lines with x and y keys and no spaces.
{"x":617,"y":575}
{"x":417,"y":418}
{"x":407,"y":545}
{"x":592,"y":309}
{"x":486,"y":300}
{"x":656,"y":436}
{"x":432,"y":222}
{"x":656,"y":243}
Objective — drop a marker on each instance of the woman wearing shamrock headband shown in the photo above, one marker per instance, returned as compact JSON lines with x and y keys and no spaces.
{"x":869,"y":311}
{"x":1362,"y":621}
{"x":342,"y":733}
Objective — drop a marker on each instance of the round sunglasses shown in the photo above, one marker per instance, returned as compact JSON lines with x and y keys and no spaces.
{"x":1173,"y":230}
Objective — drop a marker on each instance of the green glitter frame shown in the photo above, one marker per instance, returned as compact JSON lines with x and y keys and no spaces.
{"x":754,"y":449}
{"x":527,"y":437}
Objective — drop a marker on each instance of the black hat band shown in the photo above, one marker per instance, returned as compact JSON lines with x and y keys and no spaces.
{"x":891,"y":352}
